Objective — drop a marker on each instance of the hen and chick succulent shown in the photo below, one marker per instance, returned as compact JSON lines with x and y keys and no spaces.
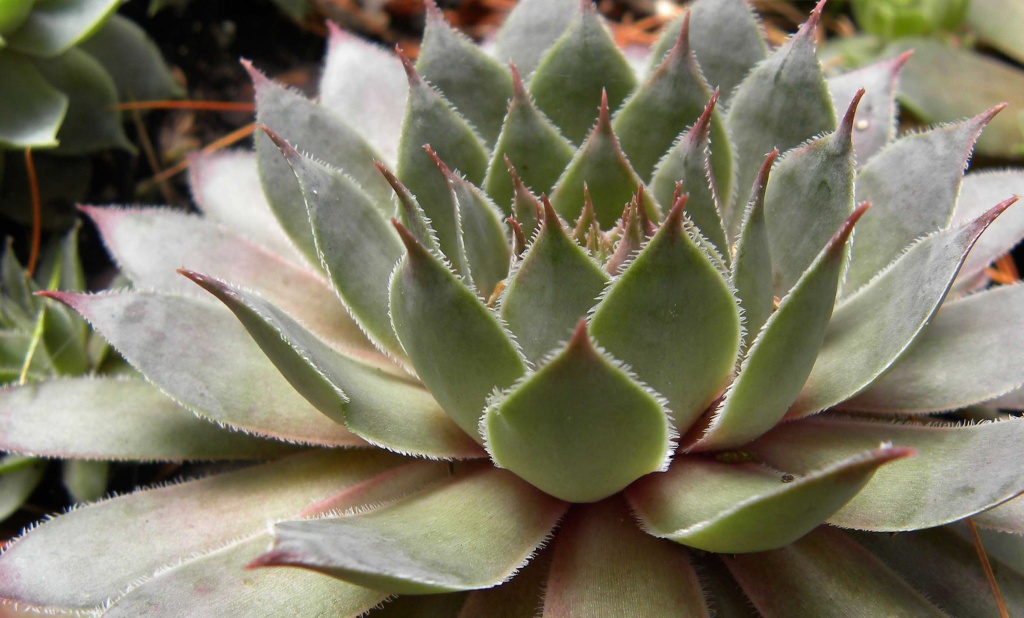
{"x":543,"y":328}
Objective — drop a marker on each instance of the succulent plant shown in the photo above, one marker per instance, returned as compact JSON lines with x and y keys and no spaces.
{"x":679,"y":385}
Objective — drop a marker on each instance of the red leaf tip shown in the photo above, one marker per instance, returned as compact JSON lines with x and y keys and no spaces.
{"x":287,"y":149}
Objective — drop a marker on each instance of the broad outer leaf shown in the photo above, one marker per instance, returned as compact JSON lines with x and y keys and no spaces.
{"x":320,"y":133}
{"x":944,"y":566}
{"x":146,"y":77}
{"x":230,"y":590}
{"x":726,"y":36}
{"x":780,"y":359}
{"x":196,"y":352}
{"x":554,"y":285}
{"x":605,"y":566}
{"x":783,"y":102}
{"x":958,"y":470}
{"x":547,"y":427}
{"x":33,"y":109}
{"x":473,"y":531}
{"x":106,"y":418}
{"x":874,"y":326}
{"x":90,"y":123}
{"x":875,"y":124}
{"x":357,"y":247}
{"x":913,"y":184}
{"x":366,"y":85}
{"x":743,"y":507}
{"x":476,"y":84}
{"x":997,"y":23}
{"x":115,"y":546}
{"x":54,"y":26}
{"x":688,"y":162}
{"x":978,"y":193}
{"x":587,"y":52}
{"x":518,"y":597}
{"x":600,"y":166}
{"x":809,"y":195}
{"x":529,"y":140}
{"x":821,"y":573}
{"x":673,"y":319}
{"x":971,"y":352}
{"x":226,"y":188}
{"x":150,"y":244}
{"x":459,"y":349}
{"x":531,"y":28}
{"x":381,"y":406}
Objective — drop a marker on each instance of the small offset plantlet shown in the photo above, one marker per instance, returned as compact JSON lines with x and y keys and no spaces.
{"x":547,"y":330}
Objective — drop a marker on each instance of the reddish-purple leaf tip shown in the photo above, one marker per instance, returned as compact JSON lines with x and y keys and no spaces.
{"x":550,"y":216}
{"x":580,"y":339}
{"x":990,"y":216}
{"x":412,"y":246}
{"x":603,"y":115}
{"x":410,"y":70}
{"x":286,"y":149}
{"x":444,"y":169}
{"x":518,"y":89}
{"x":259,"y":80}
{"x":674,"y":220}
{"x":845,"y":129}
{"x":843,"y":233}
{"x":271,"y":558}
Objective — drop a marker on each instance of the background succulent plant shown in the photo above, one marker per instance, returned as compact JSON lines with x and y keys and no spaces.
{"x":701,"y":371}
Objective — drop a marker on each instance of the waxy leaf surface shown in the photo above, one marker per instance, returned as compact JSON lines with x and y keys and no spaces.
{"x":875,"y":123}
{"x":33,"y":109}
{"x":979,"y":191}
{"x":531,"y":28}
{"x":54,"y":26}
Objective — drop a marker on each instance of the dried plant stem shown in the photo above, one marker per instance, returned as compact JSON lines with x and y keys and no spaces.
{"x":229,"y":139}
{"x":154,"y":162}
{"x":37,"y":213}
{"x":216,"y":106}
{"x":989,"y":575}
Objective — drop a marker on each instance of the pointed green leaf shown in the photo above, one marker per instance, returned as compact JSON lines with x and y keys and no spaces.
{"x":540,"y":309}
{"x":358,"y":248}
{"x":548,"y":426}
{"x":671,"y":99}
{"x":744,"y":507}
{"x":688,"y":163}
{"x":959,"y":470}
{"x":386,"y":409}
{"x":673,"y":319}
{"x":115,"y":547}
{"x":54,"y":26}
{"x":229,"y":589}
{"x":19,"y":476}
{"x":146,"y":77}
{"x":809,"y":196}
{"x":33,"y":109}
{"x":587,"y":52}
{"x":783,"y":102}
{"x":781,"y":357}
{"x":411,"y":214}
{"x":226,"y":189}
{"x":150,"y":244}
{"x":529,"y":140}
{"x":979,"y":191}
{"x":320,"y":134}
{"x":196,"y":352}
{"x":602,"y":167}
{"x":531,"y":28}
{"x":487,"y":253}
{"x":728,"y":42}
{"x":972,"y":351}
{"x":752,"y":264}
{"x":953,"y":579}
{"x":913,"y":184}
{"x":90,"y":123}
{"x":106,"y":418}
{"x":439,"y":540}
{"x":874,"y":326}
{"x":366,"y":85}
{"x":875,"y":124}
{"x":822,"y":572}
{"x":476,"y":84}
{"x":605,"y":566}
{"x":456,"y":344}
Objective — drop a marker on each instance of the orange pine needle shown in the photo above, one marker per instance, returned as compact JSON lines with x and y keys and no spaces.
{"x":229,"y":139}
{"x":987,"y":567}
{"x":1004,"y":271}
{"x":215,"y":106}
{"x":37,"y":213}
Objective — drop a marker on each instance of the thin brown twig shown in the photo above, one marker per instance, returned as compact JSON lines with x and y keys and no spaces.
{"x":213,"y":106}
{"x":154,"y":162}
{"x":229,"y":139}
{"x":987,"y":567}
{"x":37,"y":213}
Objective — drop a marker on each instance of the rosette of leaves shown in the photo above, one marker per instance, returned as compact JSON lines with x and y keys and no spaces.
{"x":63,"y":66}
{"x":42,"y":341}
{"x":945,"y":36}
{"x":677,"y":385}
